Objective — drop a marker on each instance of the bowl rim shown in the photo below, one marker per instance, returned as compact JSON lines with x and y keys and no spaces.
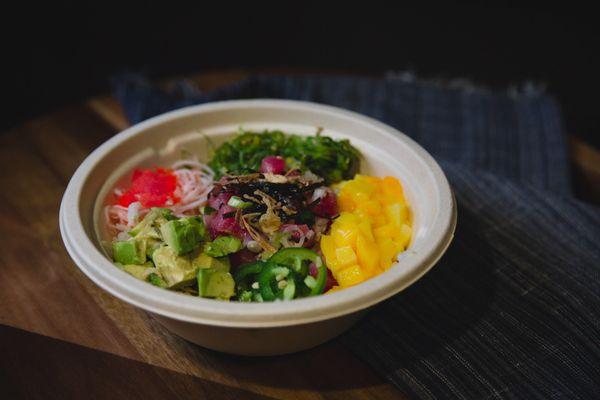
{"x":187,"y":308}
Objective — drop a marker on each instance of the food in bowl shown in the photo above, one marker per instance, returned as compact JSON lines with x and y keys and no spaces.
{"x":272,"y":216}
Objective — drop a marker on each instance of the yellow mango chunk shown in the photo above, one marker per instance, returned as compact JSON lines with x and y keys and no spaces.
{"x":333,"y":266}
{"x":345,"y":203}
{"x":396,"y":214}
{"x":385,"y":264}
{"x":387,"y":252}
{"x":386,"y":231}
{"x":328,"y":248}
{"x":373,"y":227}
{"x":403,"y":239}
{"x":370,"y":207}
{"x":392,"y":187}
{"x":346,"y":219}
{"x":356,"y":186}
{"x":345,"y":235}
{"x":368,"y":255}
{"x":350,"y":276}
{"x":373,"y":180}
{"x":365,"y":229}
{"x":378,"y":221}
{"x":345,"y":256}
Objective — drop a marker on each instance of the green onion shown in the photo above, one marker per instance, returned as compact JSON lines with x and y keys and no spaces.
{"x":237,"y":202}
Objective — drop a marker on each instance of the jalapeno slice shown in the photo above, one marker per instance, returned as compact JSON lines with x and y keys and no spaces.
{"x":300,"y":259}
{"x":246,"y":270}
{"x":277,"y":282}
{"x":244,"y":277}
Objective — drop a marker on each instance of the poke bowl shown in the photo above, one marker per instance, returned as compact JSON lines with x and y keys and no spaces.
{"x":257,"y":227}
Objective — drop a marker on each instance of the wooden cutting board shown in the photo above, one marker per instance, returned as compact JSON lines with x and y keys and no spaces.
{"x":63,"y":337}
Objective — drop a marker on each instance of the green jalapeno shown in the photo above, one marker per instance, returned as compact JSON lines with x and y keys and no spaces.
{"x":300,"y":259}
{"x":244,"y":277}
{"x":277,"y":282}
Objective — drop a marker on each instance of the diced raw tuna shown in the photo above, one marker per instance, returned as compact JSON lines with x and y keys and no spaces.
{"x":327,"y":205}
{"x":273,"y":164}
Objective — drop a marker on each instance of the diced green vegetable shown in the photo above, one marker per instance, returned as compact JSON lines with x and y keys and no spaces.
{"x":131,"y":251}
{"x":245,"y":296}
{"x":184,"y":235}
{"x":223,"y":245}
{"x":300,"y":259}
{"x":148,"y":226}
{"x":215,"y":284}
{"x":277,"y":282}
{"x":138,"y":271}
{"x":177,"y":271}
{"x":203,"y":261}
{"x":237,"y":202}
{"x":156,"y":280}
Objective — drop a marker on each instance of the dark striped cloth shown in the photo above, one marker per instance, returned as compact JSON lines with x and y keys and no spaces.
{"x":513,"y":309}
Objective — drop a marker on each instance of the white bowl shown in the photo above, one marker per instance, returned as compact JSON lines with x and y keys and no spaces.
{"x":256,"y":328}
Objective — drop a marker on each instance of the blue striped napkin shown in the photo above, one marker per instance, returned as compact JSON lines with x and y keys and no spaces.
{"x":513,"y":309}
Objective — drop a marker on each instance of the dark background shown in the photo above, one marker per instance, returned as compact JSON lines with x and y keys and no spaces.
{"x":67,"y":55}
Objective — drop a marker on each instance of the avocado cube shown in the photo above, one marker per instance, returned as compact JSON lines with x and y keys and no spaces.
{"x":183,"y":235}
{"x":138,"y":271}
{"x":131,"y":251}
{"x":215,"y":284}
{"x":203,"y":261}
{"x":152,"y":245}
{"x":175,"y":270}
{"x":147,"y":227}
{"x":156,"y":280}
{"x":223,"y":245}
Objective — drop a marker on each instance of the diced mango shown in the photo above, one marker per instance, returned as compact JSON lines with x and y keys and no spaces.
{"x":345,"y":256}
{"x":359,"y":198}
{"x":385,"y":264}
{"x":396,"y":214}
{"x":345,"y":236}
{"x":345,"y":203}
{"x":328,"y":248}
{"x":373,"y":227}
{"x":365,"y":229}
{"x":379,"y":221}
{"x":346,"y":219}
{"x":358,"y":186}
{"x":387,"y":252}
{"x":392,"y":187}
{"x":350,"y":276}
{"x":362,"y":183}
{"x":368,"y":255}
{"x":386,"y":231}
{"x":372,"y":180}
{"x":370,"y":207}
{"x":333,"y":265}
{"x":404,"y":236}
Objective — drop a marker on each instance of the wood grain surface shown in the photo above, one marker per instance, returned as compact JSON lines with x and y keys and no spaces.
{"x":63,"y":337}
